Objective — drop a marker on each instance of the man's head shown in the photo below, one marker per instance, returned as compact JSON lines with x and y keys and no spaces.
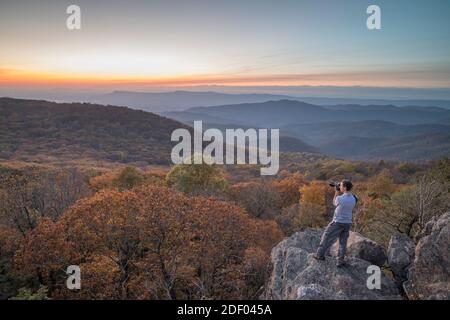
{"x":346,"y":185}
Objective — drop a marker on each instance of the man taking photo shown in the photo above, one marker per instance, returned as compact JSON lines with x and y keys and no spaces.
{"x":339,"y":228}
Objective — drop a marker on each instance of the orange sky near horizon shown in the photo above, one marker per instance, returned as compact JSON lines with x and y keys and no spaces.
{"x":18,"y":78}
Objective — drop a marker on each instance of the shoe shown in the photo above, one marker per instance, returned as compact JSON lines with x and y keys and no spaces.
{"x":317,"y":257}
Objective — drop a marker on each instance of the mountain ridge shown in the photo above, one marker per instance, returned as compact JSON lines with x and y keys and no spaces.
{"x":40,"y":130}
{"x":335,"y":130}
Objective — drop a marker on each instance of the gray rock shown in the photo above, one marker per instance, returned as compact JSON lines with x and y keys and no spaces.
{"x":428,"y":227}
{"x":313,"y":292}
{"x":429,"y":276}
{"x":400,"y":256}
{"x":297,"y":275}
{"x":363,"y":248}
{"x":288,"y":257}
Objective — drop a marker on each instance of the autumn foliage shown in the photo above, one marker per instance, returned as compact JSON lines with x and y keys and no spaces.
{"x":151,"y":243}
{"x":190,"y":232}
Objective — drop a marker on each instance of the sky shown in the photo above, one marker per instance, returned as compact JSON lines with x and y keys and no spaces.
{"x":167,"y":43}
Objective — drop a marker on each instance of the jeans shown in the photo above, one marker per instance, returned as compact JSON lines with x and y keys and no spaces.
{"x":332,"y":232}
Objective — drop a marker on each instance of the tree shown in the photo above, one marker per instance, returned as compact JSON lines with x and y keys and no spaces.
{"x":311,"y":216}
{"x":258,"y":198}
{"x":27,"y":294}
{"x":381,"y":186}
{"x":45,"y":253}
{"x":315,"y":205}
{"x":197,"y":179}
{"x":407,"y":210}
{"x":9,"y":241}
{"x":288,"y":219}
{"x":289,"y":189}
{"x":26,"y":197}
{"x":128,"y":178}
{"x":150,"y":243}
{"x":427,"y":199}
{"x":315,"y":193}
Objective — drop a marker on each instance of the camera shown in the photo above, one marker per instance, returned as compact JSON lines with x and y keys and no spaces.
{"x":335,"y":185}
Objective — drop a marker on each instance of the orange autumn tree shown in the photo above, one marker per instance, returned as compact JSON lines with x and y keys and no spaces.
{"x":315,"y":203}
{"x":226,"y":241}
{"x":260,"y":199}
{"x":288,"y":189}
{"x":45,"y":253}
{"x":151,"y":243}
{"x":127,"y":178}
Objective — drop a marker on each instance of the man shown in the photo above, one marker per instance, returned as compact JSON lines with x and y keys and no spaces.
{"x":339,"y":227}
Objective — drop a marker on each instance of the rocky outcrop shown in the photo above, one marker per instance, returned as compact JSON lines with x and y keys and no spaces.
{"x":297,"y":275}
{"x":363,"y":248}
{"x":428,"y":227}
{"x":429,"y":275}
{"x":400,"y":256}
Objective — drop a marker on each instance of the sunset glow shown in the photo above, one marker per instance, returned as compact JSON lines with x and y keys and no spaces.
{"x":226,"y":43}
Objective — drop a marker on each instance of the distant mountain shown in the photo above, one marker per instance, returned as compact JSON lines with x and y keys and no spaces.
{"x":32,"y":130}
{"x":412,"y":148}
{"x":319,"y":133}
{"x":367,"y":102}
{"x":41,"y":131}
{"x":183,"y":99}
{"x":345,"y":131}
{"x":386,"y":107}
{"x":443,"y":120}
{"x":285,"y":112}
{"x":270,"y":114}
{"x":290,"y":144}
{"x":286,"y":143}
{"x":178,"y":100}
{"x":187,"y":97}
{"x":190,"y":117}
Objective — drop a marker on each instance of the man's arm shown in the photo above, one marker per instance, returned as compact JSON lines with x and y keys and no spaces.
{"x":336,"y":199}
